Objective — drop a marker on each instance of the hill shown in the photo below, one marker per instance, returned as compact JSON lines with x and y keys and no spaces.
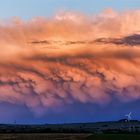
{"x":121,"y":126}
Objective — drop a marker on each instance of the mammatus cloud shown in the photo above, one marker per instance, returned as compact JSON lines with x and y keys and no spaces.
{"x":47,"y":63}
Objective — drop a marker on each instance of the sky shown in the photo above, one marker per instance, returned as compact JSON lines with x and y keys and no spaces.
{"x":27,"y":9}
{"x":64,"y":61}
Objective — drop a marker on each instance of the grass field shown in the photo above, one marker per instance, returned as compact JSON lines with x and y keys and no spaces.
{"x":114,"y":137}
{"x":43,"y":136}
{"x":57,"y":136}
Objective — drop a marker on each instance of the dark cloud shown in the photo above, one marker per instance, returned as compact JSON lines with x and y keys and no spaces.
{"x":131,"y":40}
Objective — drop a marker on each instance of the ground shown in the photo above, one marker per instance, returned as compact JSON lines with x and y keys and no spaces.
{"x":56,"y":136}
{"x":53,"y":136}
{"x":114,"y":137}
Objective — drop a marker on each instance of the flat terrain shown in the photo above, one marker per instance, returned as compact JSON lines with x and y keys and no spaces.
{"x":56,"y":136}
{"x":52,"y":136}
{"x":114,"y":137}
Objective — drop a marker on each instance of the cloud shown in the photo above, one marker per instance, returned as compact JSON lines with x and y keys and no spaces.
{"x":131,"y":40}
{"x":47,"y":63}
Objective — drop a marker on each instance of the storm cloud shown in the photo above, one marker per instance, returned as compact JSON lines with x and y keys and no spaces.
{"x":47,"y":63}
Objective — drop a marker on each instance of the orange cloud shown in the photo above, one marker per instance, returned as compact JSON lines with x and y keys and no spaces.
{"x":67,"y":58}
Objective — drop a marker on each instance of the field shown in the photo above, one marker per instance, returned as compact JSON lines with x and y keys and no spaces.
{"x":52,"y":136}
{"x":56,"y":136}
{"x":114,"y":137}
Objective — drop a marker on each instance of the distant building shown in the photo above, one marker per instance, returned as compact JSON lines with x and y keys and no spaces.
{"x":126,"y":120}
{"x":123,"y":120}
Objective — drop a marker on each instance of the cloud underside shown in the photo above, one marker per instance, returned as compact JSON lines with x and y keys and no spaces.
{"x":47,"y":63}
